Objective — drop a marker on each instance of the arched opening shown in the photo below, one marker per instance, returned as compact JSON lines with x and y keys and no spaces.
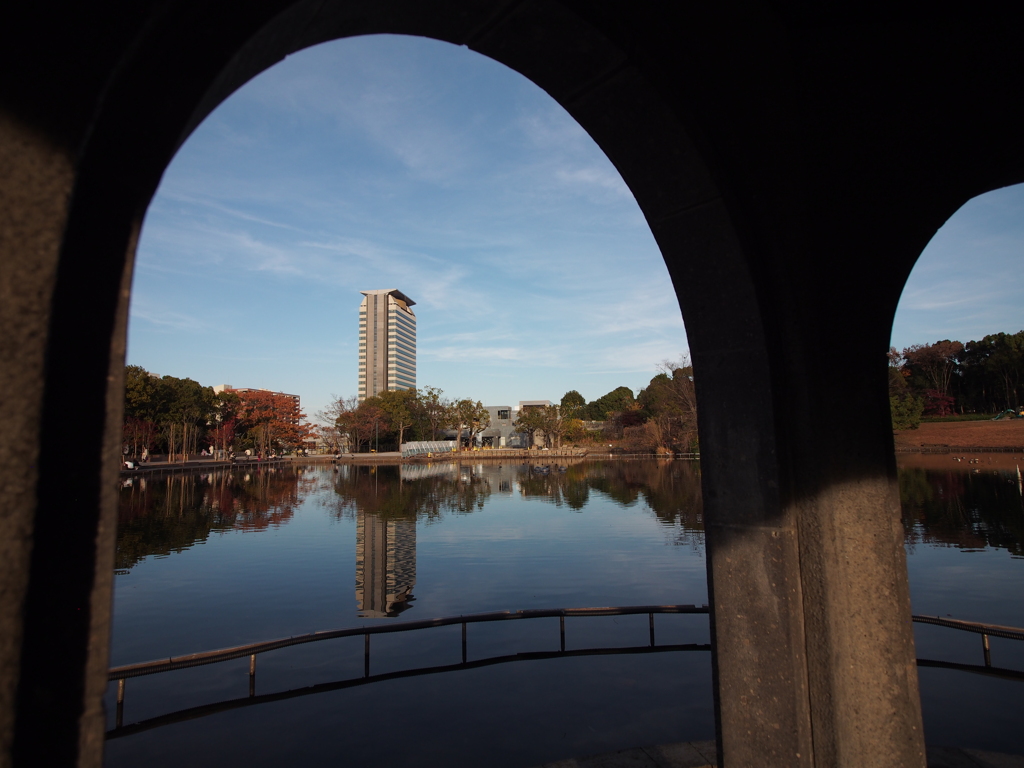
{"x":207,"y":235}
{"x":956,"y":362}
{"x":589,"y":77}
{"x":408,"y":162}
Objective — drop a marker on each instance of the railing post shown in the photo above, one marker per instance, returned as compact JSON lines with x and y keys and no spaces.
{"x":650,"y":616}
{"x":463,"y":642}
{"x":120,"y":703}
{"x":366,"y":655}
{"x":252,"y":675}
{"x":988,"y":653}
{"x":561,"y":631}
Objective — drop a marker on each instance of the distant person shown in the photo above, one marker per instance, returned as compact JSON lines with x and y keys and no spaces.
{"x":145,"y":455}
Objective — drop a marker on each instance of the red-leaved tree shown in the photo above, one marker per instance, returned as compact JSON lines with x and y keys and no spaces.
{"x":271,"y":420}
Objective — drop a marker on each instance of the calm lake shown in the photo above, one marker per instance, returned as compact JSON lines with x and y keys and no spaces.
{"x":218,"y":559}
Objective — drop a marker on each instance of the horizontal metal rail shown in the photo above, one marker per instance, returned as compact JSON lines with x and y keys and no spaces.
{"x":204,"y":710}
{"x":995,"y":630}
{"x":121,"y":674}
{"x":251,"y":649}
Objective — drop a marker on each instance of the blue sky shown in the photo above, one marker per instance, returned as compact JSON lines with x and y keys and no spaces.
{"x":398,"y":162}
{"x":969,"y":280}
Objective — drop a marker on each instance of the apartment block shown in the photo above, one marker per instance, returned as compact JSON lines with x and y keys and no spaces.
{"x":387,"y":342}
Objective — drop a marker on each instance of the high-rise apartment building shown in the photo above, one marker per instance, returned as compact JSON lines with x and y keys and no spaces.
{"x":387,"y":342}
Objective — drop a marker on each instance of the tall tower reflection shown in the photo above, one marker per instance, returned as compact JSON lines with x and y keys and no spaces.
{"x":385,"y":564}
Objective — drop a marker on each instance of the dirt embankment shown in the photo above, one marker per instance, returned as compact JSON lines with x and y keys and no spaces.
{"x":1002,"y":434}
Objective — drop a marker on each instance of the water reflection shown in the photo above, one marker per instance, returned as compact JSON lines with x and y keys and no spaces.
{"x":337,"y":543}
{"x":670,"y":489}
{"x":159,"y":515}
{"x":386,"y":501}
{"x":970,"y":510}
{"x":385,"y":564}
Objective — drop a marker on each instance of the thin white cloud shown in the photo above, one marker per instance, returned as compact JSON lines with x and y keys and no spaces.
{"x":485,"y":354}
{"x":604,"y":179}
{"x":166,"y":319}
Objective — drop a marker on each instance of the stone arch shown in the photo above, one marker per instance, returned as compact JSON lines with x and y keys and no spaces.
{"x":786,"y":225}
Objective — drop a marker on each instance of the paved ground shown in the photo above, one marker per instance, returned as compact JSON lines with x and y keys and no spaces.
{"x":701,"y":754}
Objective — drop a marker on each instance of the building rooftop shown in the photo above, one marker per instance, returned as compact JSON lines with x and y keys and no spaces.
{"x":386,"y":291}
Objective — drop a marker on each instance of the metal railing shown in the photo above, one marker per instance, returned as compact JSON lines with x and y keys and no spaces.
{"x":122,"y":673}
{"x":252,"y":649}
{"x":985,"y":630}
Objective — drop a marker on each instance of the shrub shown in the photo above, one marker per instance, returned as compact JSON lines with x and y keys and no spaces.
{"x":906,"y":411}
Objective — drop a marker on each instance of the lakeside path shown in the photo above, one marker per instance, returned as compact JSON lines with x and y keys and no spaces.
{"x":566,"y":455}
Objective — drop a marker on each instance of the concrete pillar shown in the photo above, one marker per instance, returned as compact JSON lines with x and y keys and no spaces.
{"x":63,"y":313}
{"x":36,"y":174}
{"x":814,"y":661}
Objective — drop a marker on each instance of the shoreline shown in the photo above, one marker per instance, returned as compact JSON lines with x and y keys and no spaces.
{"x":963,"y":460}
{"x":566,"y":455}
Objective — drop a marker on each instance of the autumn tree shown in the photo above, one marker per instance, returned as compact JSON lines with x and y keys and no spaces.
{"x":670,"y":404}
{"x":139,"y":435}
{"x":935,"y":364}
{"x":363,"y":422}
{"x":271,"y":420}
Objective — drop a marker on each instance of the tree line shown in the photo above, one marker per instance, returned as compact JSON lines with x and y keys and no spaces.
{"x":663,"y":415}
{"x":165,"y":414}
{"x":948,"y":377}
{"x":393,"y":417}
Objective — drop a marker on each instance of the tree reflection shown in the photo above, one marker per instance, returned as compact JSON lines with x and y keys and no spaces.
{"x":962,"y":509}
{"x":161,"y":515}
{"x":395,"y":492}
{"x":670,"y":489}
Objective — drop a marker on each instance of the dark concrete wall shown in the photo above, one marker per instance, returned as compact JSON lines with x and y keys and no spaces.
{"x":792,"y":163}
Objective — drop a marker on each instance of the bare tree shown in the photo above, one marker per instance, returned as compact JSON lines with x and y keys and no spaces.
{"x":437,"y":410}
{"x":682,"y":392}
